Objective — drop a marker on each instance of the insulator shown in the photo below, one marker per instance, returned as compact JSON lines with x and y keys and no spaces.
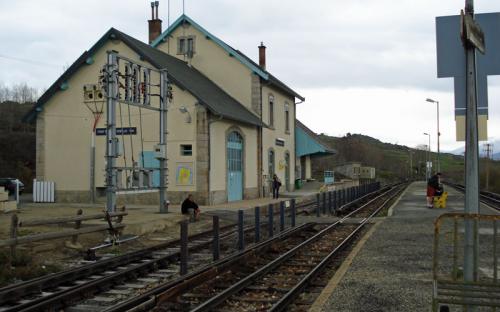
{"x":136,"y":81}
{"x":146,"y":80}
{"x":128,"y":82}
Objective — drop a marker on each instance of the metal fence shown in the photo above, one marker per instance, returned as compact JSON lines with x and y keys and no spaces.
{"x":43,"y":191}
{"x":450,"y":289}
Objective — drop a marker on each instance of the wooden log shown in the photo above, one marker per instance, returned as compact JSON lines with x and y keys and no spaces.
{"x":61,"y":220}
{"x":55,"y":235}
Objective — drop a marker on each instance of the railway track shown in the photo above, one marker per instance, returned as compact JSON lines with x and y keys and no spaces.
{"x":59,"y":289}
{"x":133,"y":278}
{"x":488,"y":198}
{"x":263,"y":285}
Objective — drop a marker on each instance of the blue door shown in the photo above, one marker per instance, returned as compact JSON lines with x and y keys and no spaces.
{"x":234,"y":166}
{"x":151,"y":162}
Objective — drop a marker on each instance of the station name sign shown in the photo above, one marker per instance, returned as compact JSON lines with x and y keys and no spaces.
{"x":280,"y":142}
{"x":119,"y":131}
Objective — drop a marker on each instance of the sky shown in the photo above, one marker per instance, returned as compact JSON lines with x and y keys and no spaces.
{"x":363,"y":66}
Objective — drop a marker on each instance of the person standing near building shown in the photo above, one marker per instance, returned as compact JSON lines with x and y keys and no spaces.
{"x":433,"y":185}
{"x":276,"y":186}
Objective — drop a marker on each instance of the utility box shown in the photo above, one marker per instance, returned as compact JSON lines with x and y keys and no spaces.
{"x":92,"y":93}
{"x":329,"y":177}
{"x":118,"y":148}
{"x":160,"y":151}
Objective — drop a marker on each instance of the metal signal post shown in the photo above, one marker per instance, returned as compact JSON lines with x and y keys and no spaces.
{"x":135,"y":79}
{"x":111,"y":94}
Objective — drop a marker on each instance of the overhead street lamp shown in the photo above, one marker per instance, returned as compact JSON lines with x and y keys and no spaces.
{"x":427,"y":169}
{"x":438,"y":134}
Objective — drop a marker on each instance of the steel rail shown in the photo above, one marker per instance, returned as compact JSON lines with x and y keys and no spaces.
{"x":290,"y":296}
{"x":367,"y":196}
{"x":13,"y":293}
{"x":488,"y":198}
{"x":17,"y":292}
{"x":150,"y":298}
{"x":241,"y":284}
{"x":73,"y":294}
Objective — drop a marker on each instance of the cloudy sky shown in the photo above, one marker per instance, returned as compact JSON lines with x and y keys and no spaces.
{"x":364,"y":66}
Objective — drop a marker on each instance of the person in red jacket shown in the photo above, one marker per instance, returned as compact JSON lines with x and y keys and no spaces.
{"x":433,"y":186}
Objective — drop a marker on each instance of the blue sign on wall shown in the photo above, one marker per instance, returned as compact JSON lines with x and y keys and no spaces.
{"x":119,"y":131}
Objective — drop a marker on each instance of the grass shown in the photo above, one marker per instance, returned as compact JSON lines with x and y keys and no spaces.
{"x":22,"y":267}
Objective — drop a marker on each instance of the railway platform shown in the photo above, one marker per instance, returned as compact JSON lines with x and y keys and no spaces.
{"x":391,"y":268}
{"x":141,"y":219}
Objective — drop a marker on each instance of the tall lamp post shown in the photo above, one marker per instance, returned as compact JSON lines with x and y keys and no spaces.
{"x":438,"y":133}
{"x":427,"y":169}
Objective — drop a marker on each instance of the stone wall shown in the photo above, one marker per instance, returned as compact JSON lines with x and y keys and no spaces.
{"x":149,"y":198}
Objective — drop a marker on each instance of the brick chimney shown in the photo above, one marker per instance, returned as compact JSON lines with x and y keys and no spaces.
{"x":262,"y":55}
{"x":154,"y":23}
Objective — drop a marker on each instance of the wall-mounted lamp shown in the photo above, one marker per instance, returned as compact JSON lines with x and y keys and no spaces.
{"x":184,"y":110}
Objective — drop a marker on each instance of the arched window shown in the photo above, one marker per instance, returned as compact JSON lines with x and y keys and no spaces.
{"x":287,"y":118}
{"x":271,"y":163}
{"x":271,"y":110}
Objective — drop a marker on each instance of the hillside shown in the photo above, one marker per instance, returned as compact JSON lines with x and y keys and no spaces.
{"x":392,"y":161}
{"x":17,"y":143}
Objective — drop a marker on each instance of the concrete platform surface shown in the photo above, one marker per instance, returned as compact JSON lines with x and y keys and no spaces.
{"x":393,"y":270}
{"x":141,"y":219}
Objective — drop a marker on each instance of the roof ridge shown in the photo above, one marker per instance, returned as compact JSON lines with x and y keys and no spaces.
{"x":244,"y":59}
{"x":160,"y":59}
{"x":191,"y":67}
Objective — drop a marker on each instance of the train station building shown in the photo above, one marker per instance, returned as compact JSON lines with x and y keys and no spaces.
{"x":231,"y":123}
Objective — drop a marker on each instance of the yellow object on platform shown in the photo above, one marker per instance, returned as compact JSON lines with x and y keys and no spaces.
{"x":440,"y":201}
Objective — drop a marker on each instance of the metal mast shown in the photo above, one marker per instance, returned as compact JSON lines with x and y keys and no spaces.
{"x":111,"y":94}
{"x":473,"y":38}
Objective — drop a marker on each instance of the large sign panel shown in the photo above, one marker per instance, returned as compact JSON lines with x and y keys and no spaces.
{"x":451,"y":64}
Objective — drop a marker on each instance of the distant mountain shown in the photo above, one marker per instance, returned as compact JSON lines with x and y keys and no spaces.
{"x":392,"y":161}
{"x":496,"y":156}
{"x":459,"y":151}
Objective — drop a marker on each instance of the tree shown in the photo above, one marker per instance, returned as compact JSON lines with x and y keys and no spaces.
{"x":20,"y":93}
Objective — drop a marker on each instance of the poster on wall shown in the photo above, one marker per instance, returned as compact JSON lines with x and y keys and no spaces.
{"x":184,"y":174}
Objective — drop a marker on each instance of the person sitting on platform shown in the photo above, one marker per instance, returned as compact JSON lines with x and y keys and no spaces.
{"x":433,"y":186}
{"x":189,"y":207}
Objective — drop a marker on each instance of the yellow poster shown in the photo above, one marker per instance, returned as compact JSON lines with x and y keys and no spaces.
{"x":184,"y":174}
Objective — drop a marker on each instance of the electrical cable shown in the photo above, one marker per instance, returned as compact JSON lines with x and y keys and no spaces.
{"x":123,"y":140}
{"x":142,"y":139}
{"x":131,"y":142}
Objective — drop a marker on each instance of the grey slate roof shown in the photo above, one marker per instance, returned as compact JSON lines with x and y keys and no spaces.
{"x":275,"y":81}
{"x":232,"y":52}
{"x":186,"y":77}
